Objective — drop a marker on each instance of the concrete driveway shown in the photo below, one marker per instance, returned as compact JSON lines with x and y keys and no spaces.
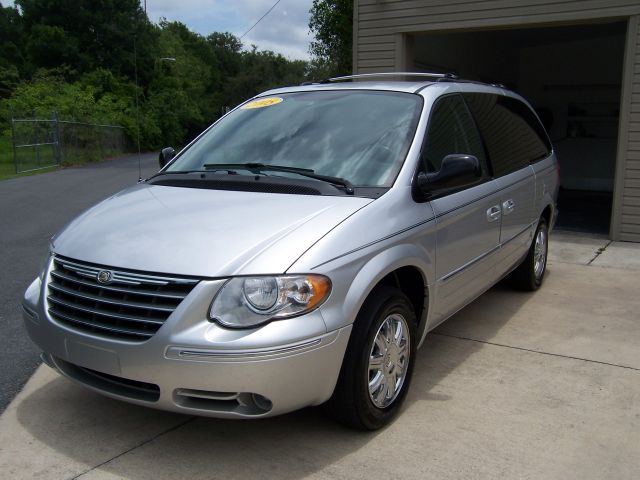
{"x":514,"y":386}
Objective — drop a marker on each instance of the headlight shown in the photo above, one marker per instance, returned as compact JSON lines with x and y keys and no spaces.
{"x":251,"y":301}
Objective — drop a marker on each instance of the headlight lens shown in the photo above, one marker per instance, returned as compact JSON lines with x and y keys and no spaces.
{"x":252,"y":301}
{"x":261,"y":293}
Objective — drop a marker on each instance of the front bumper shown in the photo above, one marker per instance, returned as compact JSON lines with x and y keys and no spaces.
{"x":195,"y":367}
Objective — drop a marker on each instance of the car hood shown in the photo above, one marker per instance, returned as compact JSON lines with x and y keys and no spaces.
{"x":206,"y":233}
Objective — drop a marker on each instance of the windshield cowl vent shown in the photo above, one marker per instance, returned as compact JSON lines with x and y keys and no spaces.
{"x":262,"y":185}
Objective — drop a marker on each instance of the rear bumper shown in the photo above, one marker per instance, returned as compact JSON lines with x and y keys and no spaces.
{"x":187,"y":368}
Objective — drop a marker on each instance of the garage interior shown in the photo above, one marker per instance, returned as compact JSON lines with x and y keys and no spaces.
{"x":572,"y":75}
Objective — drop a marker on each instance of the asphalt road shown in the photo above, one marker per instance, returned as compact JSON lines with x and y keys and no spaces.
{"x":32,"y":209}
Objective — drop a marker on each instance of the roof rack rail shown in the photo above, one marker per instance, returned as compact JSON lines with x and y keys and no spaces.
{"x":437,"y":76}
{"x":476,"y":82}
{"x":392,"y":74}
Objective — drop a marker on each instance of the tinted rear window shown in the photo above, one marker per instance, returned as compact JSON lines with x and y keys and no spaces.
{"x":513,"y":135}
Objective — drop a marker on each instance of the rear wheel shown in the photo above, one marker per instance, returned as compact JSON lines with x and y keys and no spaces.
{"x":530,"y":273}
{"x":378,"y":364}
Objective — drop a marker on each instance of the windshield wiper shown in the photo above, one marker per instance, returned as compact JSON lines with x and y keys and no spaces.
{"x":255,"y":167}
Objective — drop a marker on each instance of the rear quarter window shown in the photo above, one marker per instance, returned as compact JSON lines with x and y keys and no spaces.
{"x":512,"y":133}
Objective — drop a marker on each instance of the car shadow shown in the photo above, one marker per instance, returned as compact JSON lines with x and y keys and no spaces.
{"x":95,"y":430}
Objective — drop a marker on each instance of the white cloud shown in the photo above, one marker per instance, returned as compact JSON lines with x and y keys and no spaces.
{"x":284,"y":30}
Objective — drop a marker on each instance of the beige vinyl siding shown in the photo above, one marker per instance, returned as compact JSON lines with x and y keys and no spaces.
{"x":372,"y":53}
{"x":626,"y":217}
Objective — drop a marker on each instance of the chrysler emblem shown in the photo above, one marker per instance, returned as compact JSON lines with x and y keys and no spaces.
{"x":104,"y":276}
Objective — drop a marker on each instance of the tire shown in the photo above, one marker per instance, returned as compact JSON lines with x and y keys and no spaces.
{"x":352,"y":404}
{"x":530,"y":273}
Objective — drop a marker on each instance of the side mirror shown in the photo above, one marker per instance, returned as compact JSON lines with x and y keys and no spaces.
{"x":457,"y":170}
{"x":166,"y":154}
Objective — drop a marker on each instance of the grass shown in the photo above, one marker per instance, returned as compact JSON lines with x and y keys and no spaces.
{"x":29,"y":164}
{"x":8,"y":171}
{"x":8,"y":168}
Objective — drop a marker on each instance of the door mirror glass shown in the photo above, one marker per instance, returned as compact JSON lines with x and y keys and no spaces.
{"x":457,"y":170}
{"x":166,"y":154}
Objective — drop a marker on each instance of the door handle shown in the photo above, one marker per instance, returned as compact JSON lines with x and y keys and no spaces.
{"x":508,"y":206}
{"x":494,"y":213}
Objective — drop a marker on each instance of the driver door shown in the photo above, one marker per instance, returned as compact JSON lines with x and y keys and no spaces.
{"x":468,"y":220}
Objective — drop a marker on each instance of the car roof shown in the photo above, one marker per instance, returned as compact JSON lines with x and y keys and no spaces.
{"x":409,"y":82}
{"x":391,"y":86}
{"x":437,"y":88}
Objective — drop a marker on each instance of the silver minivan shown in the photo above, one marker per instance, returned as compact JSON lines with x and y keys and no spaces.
{"x":299,"y":250}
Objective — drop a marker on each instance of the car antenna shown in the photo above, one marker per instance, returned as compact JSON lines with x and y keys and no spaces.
{"x":135,"y":72}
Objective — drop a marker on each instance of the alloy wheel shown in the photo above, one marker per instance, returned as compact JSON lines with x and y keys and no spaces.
{"x":388,"y":360}
{"x":540,"y":254}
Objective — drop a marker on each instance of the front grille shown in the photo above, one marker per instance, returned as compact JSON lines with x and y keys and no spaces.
{"x":129,"y":305}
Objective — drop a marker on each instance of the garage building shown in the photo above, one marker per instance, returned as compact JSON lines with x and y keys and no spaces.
{"x":577,"y":62}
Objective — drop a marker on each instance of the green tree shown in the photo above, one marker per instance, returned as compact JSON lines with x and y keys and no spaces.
{"x":331,"y":23}
{"x":181,"y":92}
{"x":9,"y":80}
{"x":50,"y":46}
{"x":76,"y":57}
{"x":102,"y":32}
{"x":11,"y":49}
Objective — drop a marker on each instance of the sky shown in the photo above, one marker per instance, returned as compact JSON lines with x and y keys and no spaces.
{"x":285,"y":30}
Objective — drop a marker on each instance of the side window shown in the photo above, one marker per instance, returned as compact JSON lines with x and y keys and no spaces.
{"x":513,"y":135}
{"x":451,"y":130}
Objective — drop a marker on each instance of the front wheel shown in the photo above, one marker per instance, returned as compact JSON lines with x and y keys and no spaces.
{"x":530,"y":273}
{"x":378,"y":364}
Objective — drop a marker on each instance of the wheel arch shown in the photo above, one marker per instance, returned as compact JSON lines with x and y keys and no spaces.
{"x":403,"y":266}
{"x":547,"y":213}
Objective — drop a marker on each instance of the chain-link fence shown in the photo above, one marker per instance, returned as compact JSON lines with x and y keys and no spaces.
{"x":42,"y":143}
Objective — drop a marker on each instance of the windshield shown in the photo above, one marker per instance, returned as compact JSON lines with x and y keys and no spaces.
{"x":358,"y":135}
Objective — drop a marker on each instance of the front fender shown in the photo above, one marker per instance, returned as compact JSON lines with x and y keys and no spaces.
{"x":360,"y":276}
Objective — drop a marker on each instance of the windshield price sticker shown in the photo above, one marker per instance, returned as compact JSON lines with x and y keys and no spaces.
{"x":262,"y":102}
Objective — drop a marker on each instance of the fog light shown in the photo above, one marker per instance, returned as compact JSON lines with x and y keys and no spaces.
{"x":263,"y":403}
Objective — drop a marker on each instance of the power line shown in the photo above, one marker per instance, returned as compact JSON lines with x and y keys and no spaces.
{"x":267,"y":13}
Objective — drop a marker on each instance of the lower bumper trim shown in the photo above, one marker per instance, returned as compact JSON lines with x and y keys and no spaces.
{"x":122,"y":387}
